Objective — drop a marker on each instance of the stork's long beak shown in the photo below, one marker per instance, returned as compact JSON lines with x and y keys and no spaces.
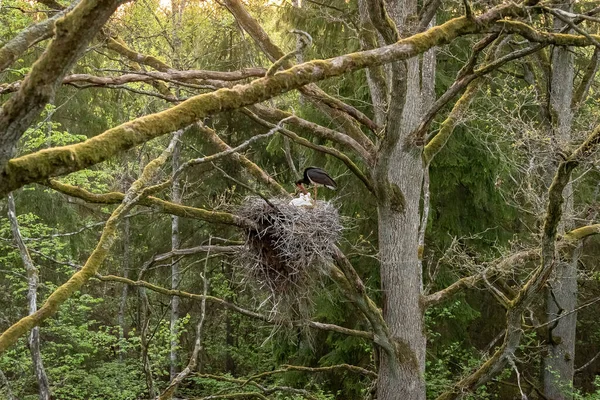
{"x":301,"y":187}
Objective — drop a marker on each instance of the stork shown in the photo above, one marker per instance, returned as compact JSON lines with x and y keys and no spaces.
{"x":316,"y":177}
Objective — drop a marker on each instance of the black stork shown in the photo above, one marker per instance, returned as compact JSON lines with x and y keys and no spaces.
{"x":316,"y":177}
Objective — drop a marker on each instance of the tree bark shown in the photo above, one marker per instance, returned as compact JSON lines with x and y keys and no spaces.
{"x":175,"y":271}
{"x":399,"y":176}
{"x":561,"y":293}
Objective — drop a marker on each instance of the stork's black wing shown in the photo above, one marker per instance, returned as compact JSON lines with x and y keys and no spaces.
{"x":320,"y":177}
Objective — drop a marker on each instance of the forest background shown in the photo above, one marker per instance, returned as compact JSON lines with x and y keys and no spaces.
{"x":463,"y":139}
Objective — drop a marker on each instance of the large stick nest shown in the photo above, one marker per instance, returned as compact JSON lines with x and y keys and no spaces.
{"x":285,"y":253}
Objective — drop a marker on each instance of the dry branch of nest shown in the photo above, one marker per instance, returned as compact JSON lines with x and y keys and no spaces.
{"x":285,"y":253}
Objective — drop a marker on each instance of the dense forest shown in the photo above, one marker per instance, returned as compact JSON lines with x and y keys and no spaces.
{"x":162,"y":238}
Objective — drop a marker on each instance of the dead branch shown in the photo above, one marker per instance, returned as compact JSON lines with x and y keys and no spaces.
{"x":342,"y":139}
{"x":324,"y":149}
{"x":264,"y":389}
{"x":231,"y":150}
{"x":286,"y":368}
{"x":464,"y":81}
{"x":509,"y":263}
{"x":254,"y":170}
{"x":532,"y":289}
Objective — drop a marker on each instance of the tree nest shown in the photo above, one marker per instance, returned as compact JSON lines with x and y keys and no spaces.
{"x":285,"y":253}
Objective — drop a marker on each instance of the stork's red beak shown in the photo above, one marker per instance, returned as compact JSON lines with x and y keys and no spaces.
{"x":302,"y":189}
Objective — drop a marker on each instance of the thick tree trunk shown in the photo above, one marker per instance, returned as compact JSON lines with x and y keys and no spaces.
{"x":400,"y":169}
{"x":399,"y":176}
{"x":561,"y":294}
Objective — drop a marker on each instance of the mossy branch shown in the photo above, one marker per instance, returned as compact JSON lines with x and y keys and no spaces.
{"x":91,"y":266}
{"x":382,"y":21}
{"x":257,"y":172}
{"x":316,"y":129}
{"x":152,"y":202}
{"x":313,"y":92}
{"x":469,"y":80}
{"x":538,"y":36}
{"x":118,"y":45}
{"x":73,"y":31}
{"x":346,"y":277}
{"x":436,"y":144}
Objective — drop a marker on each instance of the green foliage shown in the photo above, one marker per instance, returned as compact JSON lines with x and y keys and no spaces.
{"x":160,"y":346}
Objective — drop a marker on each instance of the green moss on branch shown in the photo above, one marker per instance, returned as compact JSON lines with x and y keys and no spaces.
{"x":153,"y":202}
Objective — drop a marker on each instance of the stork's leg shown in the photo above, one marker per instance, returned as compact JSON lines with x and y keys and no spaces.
{"x":316,"y":192}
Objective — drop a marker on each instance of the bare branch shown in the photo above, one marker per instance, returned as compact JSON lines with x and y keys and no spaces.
{"x":168,"y":393}
{"x":286,"y":368}
{"x":234,"y":307}
{"x":316,"y":129}
{"x":509,"y":263}
{"x":225,"y":153}
{"x":29,"y":36}
{"x":532,"y":289}
{"x":324,"y":149}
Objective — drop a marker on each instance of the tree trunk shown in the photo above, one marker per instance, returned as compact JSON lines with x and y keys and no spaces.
{"x":177,"y":7}
{"x":32,"y":283}
{"x":400,"y":169}
{"x":175,"y":273}
{"x":399,"y":178}
{"x":561,"y":294}
{"x":125,"y":289}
